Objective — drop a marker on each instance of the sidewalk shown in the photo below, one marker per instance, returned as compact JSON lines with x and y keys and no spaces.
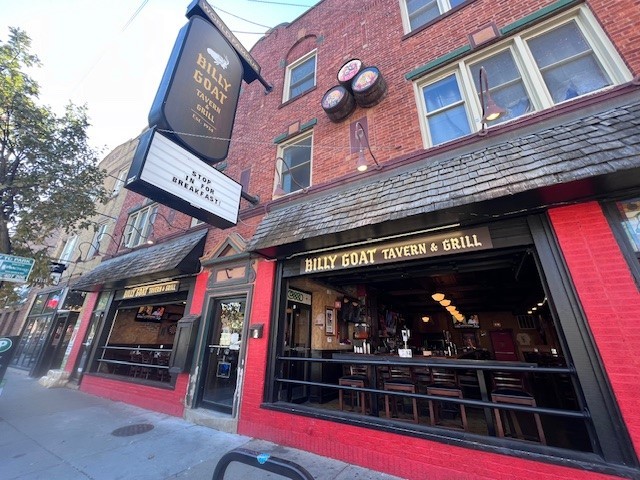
{"x":64,"y":434}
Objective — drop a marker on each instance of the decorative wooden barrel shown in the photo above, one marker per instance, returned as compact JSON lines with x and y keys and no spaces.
{"x":338,"y":103}
{"x":368,"y":87}
{"x":348,"y":71}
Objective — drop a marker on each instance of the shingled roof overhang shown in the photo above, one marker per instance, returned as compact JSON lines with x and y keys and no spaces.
{"x":180,"y":256}
{"x":586,"y":156}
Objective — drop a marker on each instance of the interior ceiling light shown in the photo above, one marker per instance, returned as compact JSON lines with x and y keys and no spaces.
{"x":451,"y":309}
{"x":445,"y":302}
{"x":426,"y":319}
{"x":438,"y":297}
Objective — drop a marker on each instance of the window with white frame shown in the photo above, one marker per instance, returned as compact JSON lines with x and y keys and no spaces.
{"x":300,"y":76}
{"x":68,"y":249}
{"x":293,"y":172}
{"x":416,"y":13}
{"x":552,"y":63}
{"x":139,"y":226}
{"x":95,"y":246}
{"x":117,"y":186}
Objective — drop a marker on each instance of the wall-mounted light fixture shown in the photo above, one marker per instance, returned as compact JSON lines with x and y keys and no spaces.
{"x":279,"y":190}
{"x":362,"y":164}
{"x":490,"y":111}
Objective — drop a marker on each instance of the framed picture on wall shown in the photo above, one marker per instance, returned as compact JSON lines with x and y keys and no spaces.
{"x":329,"y":321}
{"x":469,"y":340}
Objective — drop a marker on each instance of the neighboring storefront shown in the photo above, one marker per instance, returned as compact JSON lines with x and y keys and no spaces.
{"x":140,"y":329}
{"x":48,"y":330}
{"x":518,"y":264}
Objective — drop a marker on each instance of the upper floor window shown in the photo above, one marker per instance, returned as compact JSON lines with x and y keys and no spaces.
{"x":117,"y":186}
{"x":300,"y":76}
{"x":139,"y":226}
{"x":68,"y":249}
{"x":555,"y":62}
{"x":293,"y":173}
{"x":420,"y":12}
{"x":94,"y":248}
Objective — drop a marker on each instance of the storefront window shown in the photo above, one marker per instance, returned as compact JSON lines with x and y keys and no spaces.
{"x":629,"y":211}
{"x":38,"y":305}
{"x":478,"y":328}
{"x":32,"y":341}
{"x":53,"y":302}
{"x":140,"y":341}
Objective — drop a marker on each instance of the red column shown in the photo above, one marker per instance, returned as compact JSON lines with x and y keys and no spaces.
{"x":609,"y":297}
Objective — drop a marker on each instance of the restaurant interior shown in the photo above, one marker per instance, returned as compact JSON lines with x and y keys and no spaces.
{"x":427,"y":342}
{"x":140,"y":341}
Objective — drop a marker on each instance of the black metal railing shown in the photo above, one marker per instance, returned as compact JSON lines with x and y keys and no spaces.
{"x":563,"y":405}
{"x":136,"y":362}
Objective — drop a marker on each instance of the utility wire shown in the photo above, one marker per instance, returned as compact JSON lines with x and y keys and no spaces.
{"x":285,"y":4}
{"x":332,"y":146}
{"x":241,"y":18}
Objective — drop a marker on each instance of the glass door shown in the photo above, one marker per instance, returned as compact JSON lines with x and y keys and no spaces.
{"x":297,"y":344}
{"x":222,"y":356}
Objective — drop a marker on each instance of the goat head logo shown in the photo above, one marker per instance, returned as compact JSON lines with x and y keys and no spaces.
{"x":218,"y":59}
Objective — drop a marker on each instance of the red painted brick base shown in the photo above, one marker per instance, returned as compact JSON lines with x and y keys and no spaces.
{"x":161,"y":400}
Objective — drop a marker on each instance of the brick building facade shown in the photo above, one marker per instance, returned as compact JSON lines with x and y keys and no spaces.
{"x":526,"y":224}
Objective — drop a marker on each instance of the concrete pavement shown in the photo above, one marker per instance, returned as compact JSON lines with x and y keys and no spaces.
{"x":64,"y":434}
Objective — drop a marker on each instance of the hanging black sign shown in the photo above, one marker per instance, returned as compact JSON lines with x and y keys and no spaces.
{"x":197,"y":98}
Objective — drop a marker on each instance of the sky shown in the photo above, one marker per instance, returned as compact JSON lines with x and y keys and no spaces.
{"x":110,"y":55}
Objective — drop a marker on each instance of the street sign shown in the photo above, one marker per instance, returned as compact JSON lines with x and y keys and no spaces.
{"x":7,"y":349}
{"x":15,"y":269}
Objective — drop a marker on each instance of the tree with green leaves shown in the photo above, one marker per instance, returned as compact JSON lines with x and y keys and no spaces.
{"x":49,"y":180}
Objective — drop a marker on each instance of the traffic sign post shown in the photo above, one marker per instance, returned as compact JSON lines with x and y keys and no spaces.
{"x":15,"y":269}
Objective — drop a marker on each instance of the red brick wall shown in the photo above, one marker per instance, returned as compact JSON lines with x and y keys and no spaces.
{"x":371,"y":31}
{"x":199,"y":291}
{"x":161,"y":400}
{"x":398,"y":455}
{"x":609,"y":297}
{"x":256,"y":359}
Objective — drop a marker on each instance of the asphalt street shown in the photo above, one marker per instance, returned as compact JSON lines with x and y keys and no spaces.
{"x":65,"y":434}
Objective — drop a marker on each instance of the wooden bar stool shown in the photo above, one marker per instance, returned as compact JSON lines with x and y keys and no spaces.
{"x":509,"y":388}
{"x":444,"y":384}
{"x":399,"y":380}
{"x":358,"y":378}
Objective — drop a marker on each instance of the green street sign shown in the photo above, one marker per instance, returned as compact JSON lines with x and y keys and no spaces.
{"x":15,"y":269}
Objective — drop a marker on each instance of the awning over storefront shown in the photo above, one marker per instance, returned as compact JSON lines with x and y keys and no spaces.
{"x":175,"y":257}
{"x":554,"y":161}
